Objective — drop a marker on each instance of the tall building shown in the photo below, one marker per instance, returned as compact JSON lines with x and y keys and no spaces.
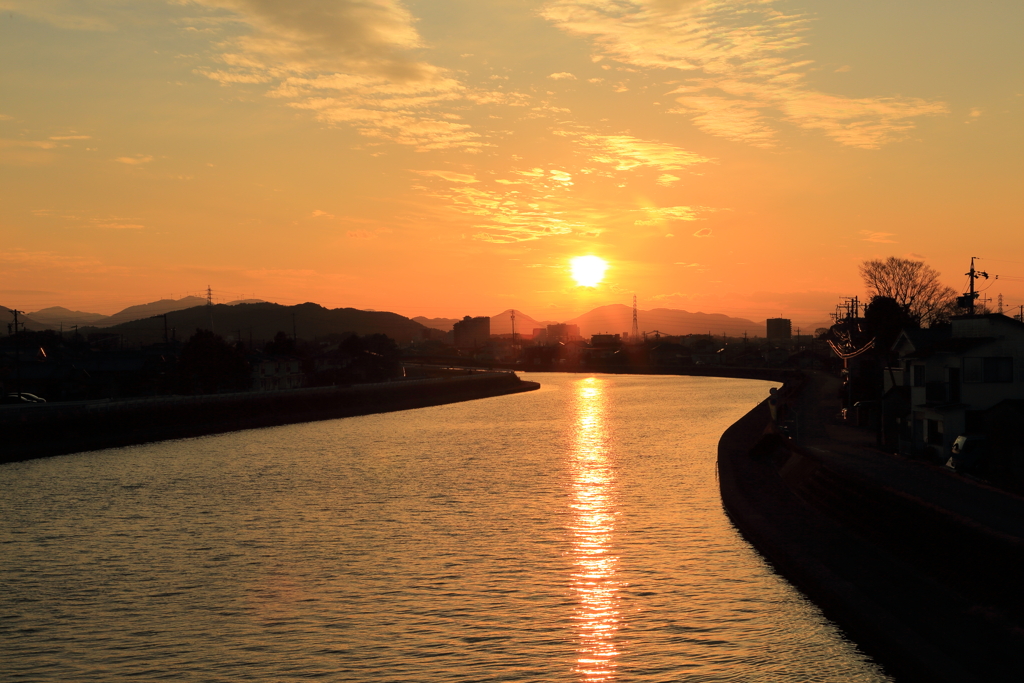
{"x":563,"y":332}
{"x":471,"y":333}
{"x":779,"y":329}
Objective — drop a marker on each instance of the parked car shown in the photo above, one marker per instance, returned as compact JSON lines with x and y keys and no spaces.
{"x":969,"y":454}
{"x":24,"y":397}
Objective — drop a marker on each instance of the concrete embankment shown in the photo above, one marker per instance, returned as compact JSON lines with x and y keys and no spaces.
{"x":890,"y":550}
{"x":42,"y":430}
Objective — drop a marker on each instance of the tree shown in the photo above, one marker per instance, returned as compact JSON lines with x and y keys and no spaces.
{"x":914,"y":286}
{"x":209,"y":364}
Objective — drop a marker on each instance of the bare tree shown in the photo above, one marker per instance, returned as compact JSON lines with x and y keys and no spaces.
{"x":913,"y":285}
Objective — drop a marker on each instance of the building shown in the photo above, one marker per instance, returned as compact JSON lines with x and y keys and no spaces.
{"x":955,"y":378}
{"x":606,"y":340}
{"x":779,"y":329}
{"x":563,"y":332}
{"x":472,"y":333}
{"x":273,"y":373}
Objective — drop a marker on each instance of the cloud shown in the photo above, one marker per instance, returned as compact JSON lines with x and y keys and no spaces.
{"x":451,"y":176}
{"x":136,"y":160}
{"x":562,"y":76}
{"x":358,"y":234}
{"x":881,"y":237}
{"x":742,"y":75}
{"x":703,"y":232}
{"x":317,"y":213}
{"x":26,"y":144}
{"x":626,"y":152}
{"x":350,"y":62}
{"x":667,"y":179}
{"x":66,"y":14}
{"x":71,"y":137}
{"x":6,"y":117}
{"x":117,"y":225}
{"x":669,"y":213}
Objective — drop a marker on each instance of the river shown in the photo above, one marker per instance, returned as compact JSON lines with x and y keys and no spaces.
{"x":573,"y":533}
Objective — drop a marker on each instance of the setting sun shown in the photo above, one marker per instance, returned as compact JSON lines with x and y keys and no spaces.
{"x":588,"y":271}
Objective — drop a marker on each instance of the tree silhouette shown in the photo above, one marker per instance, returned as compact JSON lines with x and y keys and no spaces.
{"x":209,"y":365}
{"x":914,"y":286}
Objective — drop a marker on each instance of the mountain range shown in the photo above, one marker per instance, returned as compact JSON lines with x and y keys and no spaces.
{"x":262,"y":320}
{"x":55,"y":316}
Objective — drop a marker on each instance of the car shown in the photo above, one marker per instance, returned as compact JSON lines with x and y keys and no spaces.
{"x":969,"y":453}
{"x":24,"y":397}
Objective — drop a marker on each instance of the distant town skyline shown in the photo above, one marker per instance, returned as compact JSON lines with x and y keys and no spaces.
{"x":445,"y":159}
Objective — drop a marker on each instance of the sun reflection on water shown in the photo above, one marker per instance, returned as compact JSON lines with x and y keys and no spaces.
{"x":593,"y":524}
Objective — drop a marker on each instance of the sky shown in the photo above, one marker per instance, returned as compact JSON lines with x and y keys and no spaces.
{"x":450,"y":158}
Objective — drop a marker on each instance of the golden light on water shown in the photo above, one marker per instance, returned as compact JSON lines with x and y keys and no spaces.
{"x":588,"y":271}
{"x":593,"y":525}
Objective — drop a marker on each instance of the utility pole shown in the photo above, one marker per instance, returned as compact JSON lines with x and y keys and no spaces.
{"x":17,"y":353}
{"x":972,"y":295}
{"x":165,"y":328}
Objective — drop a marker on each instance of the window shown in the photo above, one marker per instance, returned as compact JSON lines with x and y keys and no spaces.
{"x":994,"y":369}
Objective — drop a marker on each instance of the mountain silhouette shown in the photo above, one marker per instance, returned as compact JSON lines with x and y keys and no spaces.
{"x":618,"y":318}
{"x":261,"y":321}
{"x":55,"y":316}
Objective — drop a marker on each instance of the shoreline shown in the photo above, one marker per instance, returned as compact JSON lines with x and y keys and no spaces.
{"x":41,"y":431}
{"x":913,"y":582}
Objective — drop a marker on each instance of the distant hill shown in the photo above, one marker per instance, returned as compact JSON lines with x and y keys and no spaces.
{"x":502,"y":323}
{"x":149,"y":310}
{"x":55,"y":316}
{"x":7,"y":318}
{"x":618,"y":318}
{"x":261,"y":321}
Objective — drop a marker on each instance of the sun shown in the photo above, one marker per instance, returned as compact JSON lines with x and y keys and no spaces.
{"x":588,"y":271}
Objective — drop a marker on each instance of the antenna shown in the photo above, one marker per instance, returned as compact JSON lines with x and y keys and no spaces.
{"x":634,"y":335}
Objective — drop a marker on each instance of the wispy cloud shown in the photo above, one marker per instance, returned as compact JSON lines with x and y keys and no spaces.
{"x":626,"y":152}
{"x":451,"y":176}
{"x":562,"y":76}
{"x":66,"y":14}
{"x":881,"y":237}
{"x":136,"y":160}
{"x":743,"y":75}
{"x":350,"y":61}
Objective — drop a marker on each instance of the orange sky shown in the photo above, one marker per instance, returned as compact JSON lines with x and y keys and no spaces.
{"x":449,"y":158}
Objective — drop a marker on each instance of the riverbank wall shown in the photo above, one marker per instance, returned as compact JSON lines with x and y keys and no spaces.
{"x":916,"y":581}
{"x":42,"y":430}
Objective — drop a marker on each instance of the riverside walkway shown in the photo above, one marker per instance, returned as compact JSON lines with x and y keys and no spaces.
{"x":922,"y":567}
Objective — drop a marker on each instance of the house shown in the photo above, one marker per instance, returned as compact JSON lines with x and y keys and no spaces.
{"x":954,"y":376}
{"x":270,"y":373}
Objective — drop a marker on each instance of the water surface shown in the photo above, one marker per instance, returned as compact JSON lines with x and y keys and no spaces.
{"x":569,"y":534}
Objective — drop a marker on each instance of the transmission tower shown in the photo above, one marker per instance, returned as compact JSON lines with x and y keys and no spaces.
{"x":1000,"y":309}
{"x":634,"y":335}
{"x":209,"y":305}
